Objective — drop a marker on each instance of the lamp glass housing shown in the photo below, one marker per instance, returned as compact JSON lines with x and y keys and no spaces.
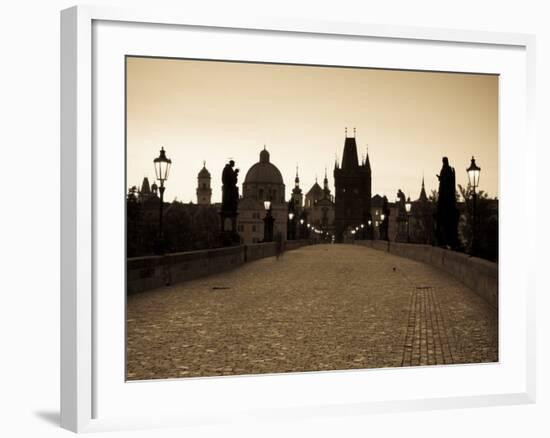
{"x":473,"y":173}
{"x":162,"y":166}
{"x":267,"y":205}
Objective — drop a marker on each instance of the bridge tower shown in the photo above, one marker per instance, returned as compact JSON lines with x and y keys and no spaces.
{"x":353,"y":187}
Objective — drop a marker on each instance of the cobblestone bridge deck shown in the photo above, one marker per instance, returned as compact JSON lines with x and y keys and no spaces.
{"x":320,"y":307}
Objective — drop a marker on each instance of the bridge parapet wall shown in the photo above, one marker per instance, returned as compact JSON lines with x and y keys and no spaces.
{"x":479,"y":275}
{"x":260,"y":250}
{"x":151,"y":272}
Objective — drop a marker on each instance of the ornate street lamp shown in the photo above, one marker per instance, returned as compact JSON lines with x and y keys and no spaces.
{"x":268,"y":222}
{"x":368,"y":230}
{"x":162,"y":169}
{"x":408,"y":207}
{"x":382,"y":227}
{"x":291,"y":227}
{"x":301,"y":228}
{"x":473,"y":174}
{"x":473,"y":178}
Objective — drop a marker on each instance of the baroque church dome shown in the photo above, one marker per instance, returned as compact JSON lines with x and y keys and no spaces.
{"x":263,"y":172}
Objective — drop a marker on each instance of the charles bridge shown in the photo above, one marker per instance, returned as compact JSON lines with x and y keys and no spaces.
{"x":241,"y":310}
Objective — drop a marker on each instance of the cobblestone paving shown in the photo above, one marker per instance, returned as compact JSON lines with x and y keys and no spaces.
{"x":322,"y":307}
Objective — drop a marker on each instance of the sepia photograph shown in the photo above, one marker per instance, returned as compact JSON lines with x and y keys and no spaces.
{"x":285,"y":218}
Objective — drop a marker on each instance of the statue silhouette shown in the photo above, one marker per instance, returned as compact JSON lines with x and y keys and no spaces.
{"x":447,"y":212}
{"x":230,"y":191}
{"x":230,"y":203}
{"x":401,"y":211}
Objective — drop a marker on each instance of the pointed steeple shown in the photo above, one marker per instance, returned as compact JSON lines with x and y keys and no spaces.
{"x":297,"y":191}
{"x":423,"y":196}
{"x":145,"y":187}
{"x":367,"y":161}
{"x":326,"y":190}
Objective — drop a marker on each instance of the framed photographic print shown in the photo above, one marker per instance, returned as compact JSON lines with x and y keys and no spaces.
{"x":298,"y":218}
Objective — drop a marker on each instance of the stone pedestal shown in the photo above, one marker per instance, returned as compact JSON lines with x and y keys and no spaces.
{"x":229,"y":235}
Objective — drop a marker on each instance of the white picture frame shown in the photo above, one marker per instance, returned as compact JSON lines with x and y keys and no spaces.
{"x":84,"y":319}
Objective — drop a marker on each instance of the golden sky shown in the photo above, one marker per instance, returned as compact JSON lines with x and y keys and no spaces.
{"x":213,"y":111}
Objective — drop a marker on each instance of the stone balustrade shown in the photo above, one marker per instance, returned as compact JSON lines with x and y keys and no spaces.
{"x":478,"y":274}
{"x":151,"y":272}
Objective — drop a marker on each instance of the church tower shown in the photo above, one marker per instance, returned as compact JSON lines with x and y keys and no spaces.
{"x":297,"y":196}
{"x":352,"y":183}
{"x":204,"y":191}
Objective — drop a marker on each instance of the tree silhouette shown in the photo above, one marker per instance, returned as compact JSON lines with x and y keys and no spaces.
{"x":487,"y":223}
{"x":133,"y":223}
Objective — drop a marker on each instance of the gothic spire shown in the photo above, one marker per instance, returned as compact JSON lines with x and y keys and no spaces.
{"x":326,"y":190}
{"x":367,"y":161}
{"x":423,"y":196}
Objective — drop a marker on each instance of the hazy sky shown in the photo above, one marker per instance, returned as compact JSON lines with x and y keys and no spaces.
{"x":213,"y":111}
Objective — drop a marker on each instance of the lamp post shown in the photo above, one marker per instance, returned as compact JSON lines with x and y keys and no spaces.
{"x":291,"y":227}
{"x":408,"y":207}
{"x":162,"y":169}
{"x":370,"y":231}
{"x":268,"y":222}
{"x":473,"y":178}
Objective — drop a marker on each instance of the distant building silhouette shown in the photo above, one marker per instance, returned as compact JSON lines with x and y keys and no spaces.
{"x":147,"y":192}
{"x":352,"y":182}
{"x":262,"y":182}
{"x":313,"y":195}
{"x":320,"y":206}
{"x":423,"y":217}
{"x":204,"y":190}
